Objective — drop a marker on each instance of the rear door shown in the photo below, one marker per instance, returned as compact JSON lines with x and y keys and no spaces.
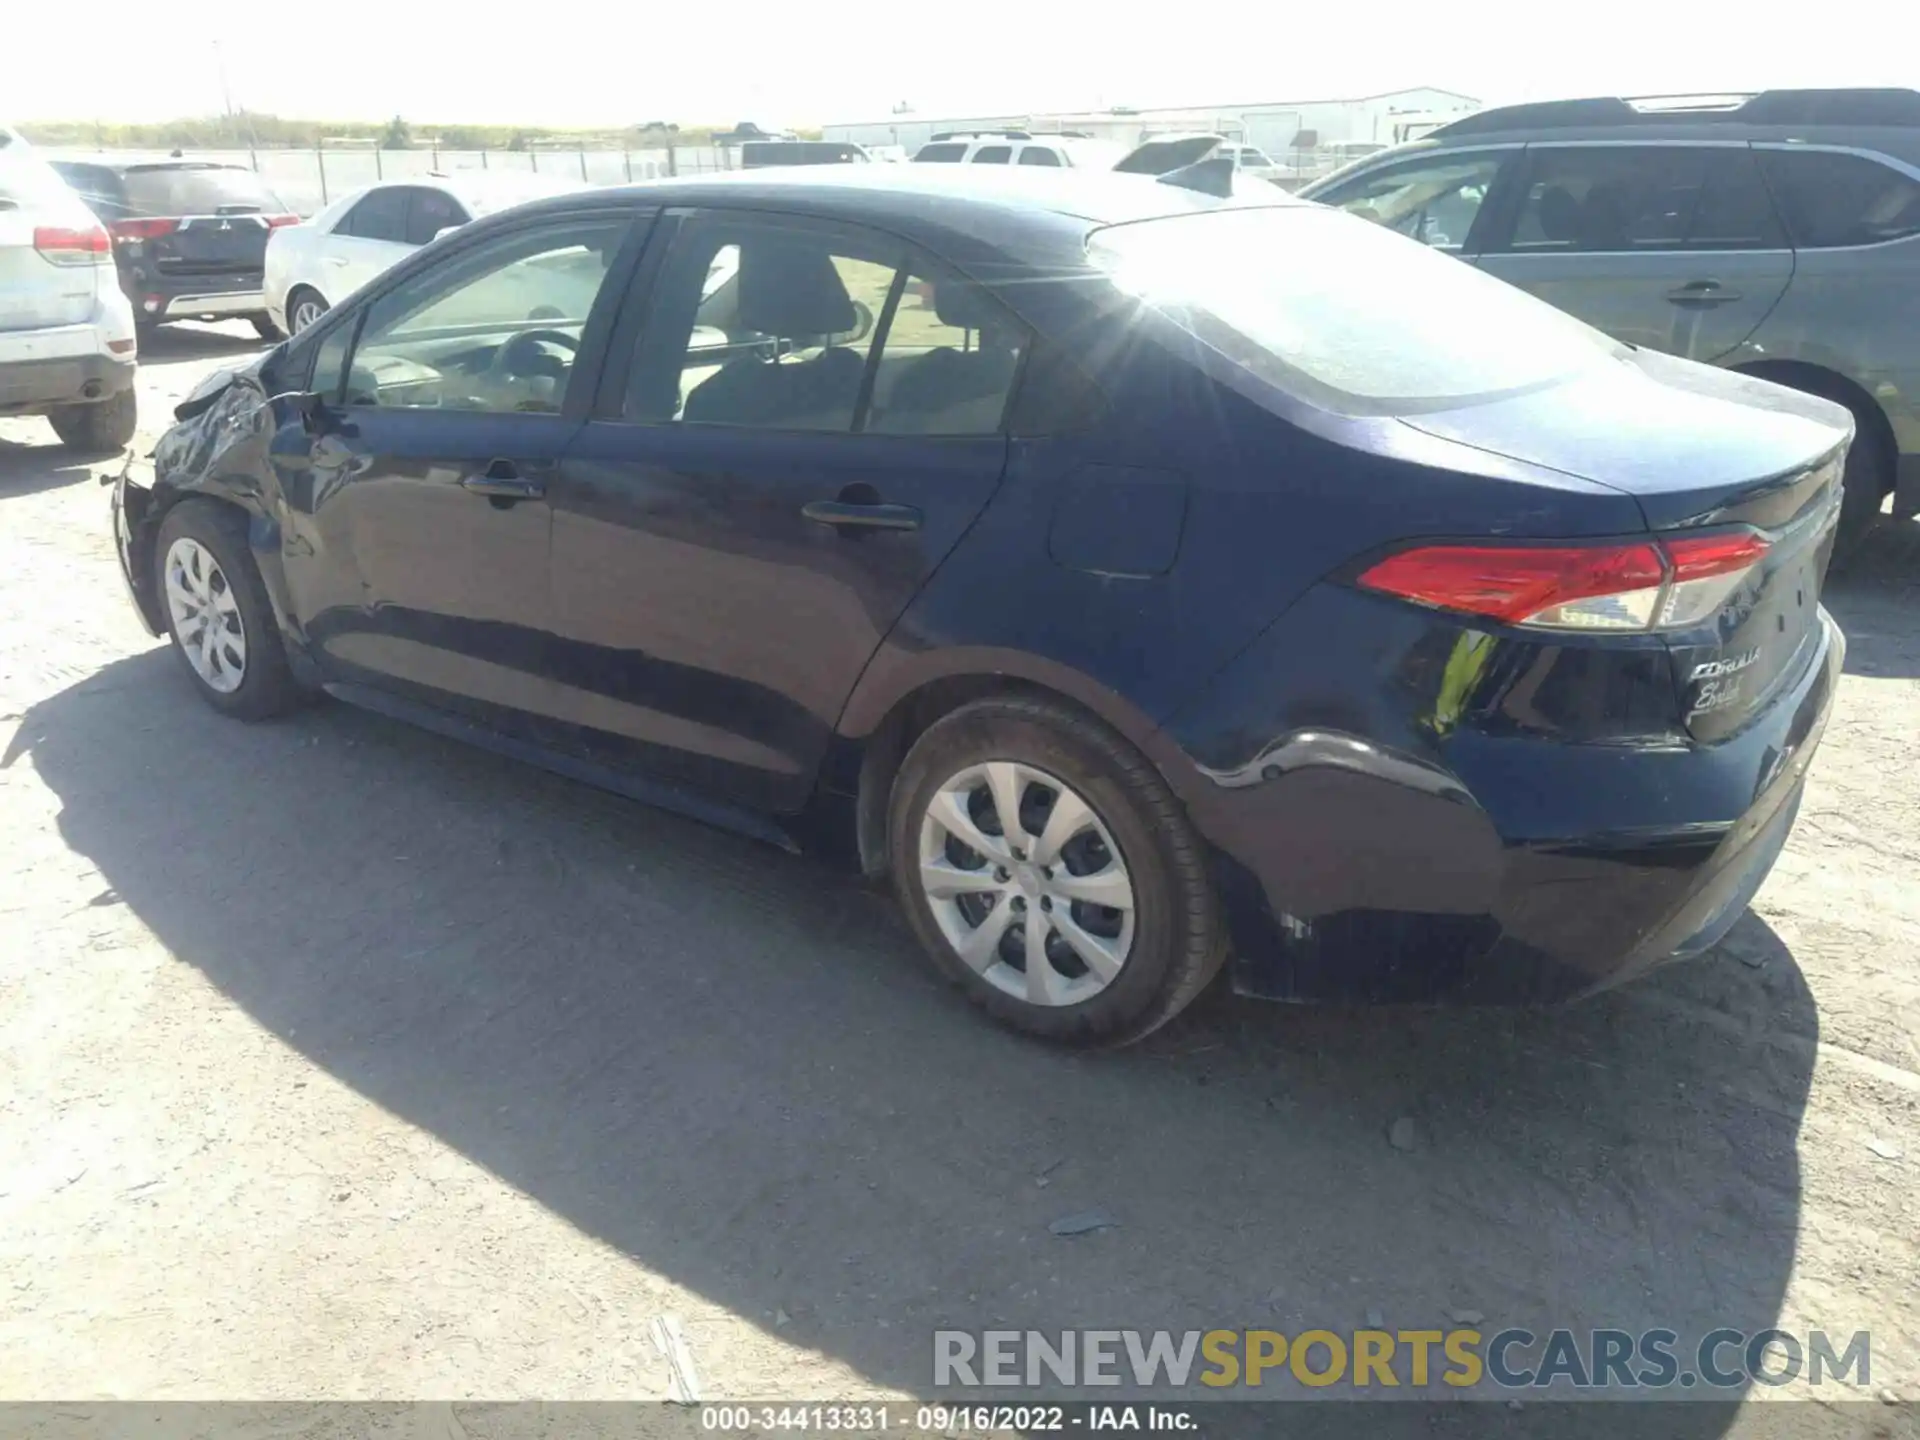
{"x":221,"y":215}
{"x":765,"y":485}
{"x":370,"y":239}
{"x":1672,"y":247}
{"x":42,"y":284}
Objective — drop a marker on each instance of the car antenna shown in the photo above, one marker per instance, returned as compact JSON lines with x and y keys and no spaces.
{"x":1212,"y":176}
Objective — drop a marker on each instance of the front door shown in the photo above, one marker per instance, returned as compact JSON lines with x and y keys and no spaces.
{"x":417,"y":547}
{"x":810,"y":419}
{"x":1671,"y":247}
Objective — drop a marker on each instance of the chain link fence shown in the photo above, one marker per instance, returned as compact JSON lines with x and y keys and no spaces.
{"x":306,"y":180}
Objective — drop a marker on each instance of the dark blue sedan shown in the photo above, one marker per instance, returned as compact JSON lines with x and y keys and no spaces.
{"x":1138,"y":576}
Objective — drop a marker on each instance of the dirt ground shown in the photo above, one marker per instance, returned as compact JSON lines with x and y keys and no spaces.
{"x":338,"y":1060}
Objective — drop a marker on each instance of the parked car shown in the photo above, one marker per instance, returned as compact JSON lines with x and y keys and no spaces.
{"x":1776,"y":234}
{"x":67,"y":344}
{"x":1017,"y":147}
{"x":188,"y":235}
{"x":312,"y":266}
{"x":763,"y":154}
{"x":1188,"y":575}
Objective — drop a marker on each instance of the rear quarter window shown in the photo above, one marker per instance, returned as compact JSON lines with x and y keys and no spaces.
{"x":1832,"y":198}
{"x":942,"y":154}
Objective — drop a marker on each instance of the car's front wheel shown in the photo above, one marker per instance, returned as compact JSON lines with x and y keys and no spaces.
{"x":1051,"y":874}
{"x":218,"y":614}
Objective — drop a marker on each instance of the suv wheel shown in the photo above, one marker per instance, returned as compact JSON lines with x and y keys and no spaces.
{"x":1051,"y":874}
{"x":99,"y":428}
{"x":222,"y":624}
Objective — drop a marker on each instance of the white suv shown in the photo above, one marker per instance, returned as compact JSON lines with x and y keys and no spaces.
{"x":1018,"y":147}
{"x":66,"y":330}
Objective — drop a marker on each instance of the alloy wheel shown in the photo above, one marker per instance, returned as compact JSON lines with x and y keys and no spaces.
{"x":206,"y":616}
{"x":1026,"y":883}
{"x":304,"y":314}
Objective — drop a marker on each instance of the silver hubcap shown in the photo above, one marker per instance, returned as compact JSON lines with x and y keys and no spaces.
{"x":1026,"y":883}
{"x":305,"y":313}
{"x":206,"y":617}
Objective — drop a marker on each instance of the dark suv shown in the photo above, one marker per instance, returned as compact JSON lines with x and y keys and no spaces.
{"x":189,"y":236}
{"x":1776,"y":234}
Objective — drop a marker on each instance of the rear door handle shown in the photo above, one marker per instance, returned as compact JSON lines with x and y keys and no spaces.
{"x":501,"y":481}
{"x":1702,"y":292}
{"x":877,"y":516}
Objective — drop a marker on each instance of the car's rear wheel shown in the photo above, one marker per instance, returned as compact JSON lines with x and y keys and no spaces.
{"x":304,"y":306}
{"x":1863,"y":487}
{"x":1048,"y":870}
{"x":99,"y":428}
{"x":222,"y":624}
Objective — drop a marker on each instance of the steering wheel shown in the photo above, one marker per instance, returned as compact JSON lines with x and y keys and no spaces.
{"x":520,"y":355}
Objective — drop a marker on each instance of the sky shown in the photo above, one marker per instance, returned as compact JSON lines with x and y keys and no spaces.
{"x":616,"y":62}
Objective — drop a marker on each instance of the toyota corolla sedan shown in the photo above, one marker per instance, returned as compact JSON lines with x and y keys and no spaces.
{"x":1143,"y":580}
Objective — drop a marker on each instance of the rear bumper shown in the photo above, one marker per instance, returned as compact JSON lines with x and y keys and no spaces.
{"x":190,"y":297}
{"x":1523,"y":870}
{"x":29,"y":386}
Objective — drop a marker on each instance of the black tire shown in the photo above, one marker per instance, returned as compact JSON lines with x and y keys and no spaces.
{"x":267,"y":687}
{"x":264,"y":327}
{"x":103,"y":427}
{"x":301,"y":297}
{"x":1863,"y":487}
{"x":1179,"y":940}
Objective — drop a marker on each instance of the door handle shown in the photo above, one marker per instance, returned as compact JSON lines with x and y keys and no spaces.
{"x":1702,"y":292}
{"x":501,"y":481}
{"x":877,"y":515}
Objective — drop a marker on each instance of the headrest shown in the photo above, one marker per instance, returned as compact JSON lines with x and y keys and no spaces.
{"x":1559,"y":215}
{"x":788,"y":287}
{"x":966,"y":306}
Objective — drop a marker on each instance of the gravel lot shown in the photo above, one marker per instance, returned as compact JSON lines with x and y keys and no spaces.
{"x":337,"y":1060}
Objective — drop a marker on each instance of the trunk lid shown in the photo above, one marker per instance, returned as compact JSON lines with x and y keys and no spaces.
{"x":36,"y":294}
{"x":222,"y":214}
{"x":1703,"y":452}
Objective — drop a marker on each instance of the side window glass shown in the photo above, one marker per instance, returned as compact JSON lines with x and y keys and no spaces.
{"x":495,"y":328}
{"x":380,"y":215}
{"x":1583,"y":198}
{"x":992,"y":155}
{"x":1831,"y":199}
{"x":1431,"y":200}
{"x":329,"y":378}
{"x":429,"y":212}
{"x":947,"y":362}
{"x":761,"y":324}
{"x":1735,"y":212}
{"x":1038,"y":155}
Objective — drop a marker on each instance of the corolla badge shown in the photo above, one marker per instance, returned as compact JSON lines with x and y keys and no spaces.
{"x":1731,"y":665}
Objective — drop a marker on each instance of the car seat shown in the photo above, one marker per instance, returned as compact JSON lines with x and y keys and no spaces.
{"x":957,"y":392}
{"x":788,"y":289}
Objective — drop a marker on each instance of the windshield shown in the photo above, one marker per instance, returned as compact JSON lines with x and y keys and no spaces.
{"x":203,"y":190}
{"x":1343,"y":314}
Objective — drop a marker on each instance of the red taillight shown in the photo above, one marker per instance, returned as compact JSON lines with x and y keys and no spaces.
{"x":147,"y":228}
{"x":1641,"y":586}
{"x":274,"y":222}
{"x":63,"y":245}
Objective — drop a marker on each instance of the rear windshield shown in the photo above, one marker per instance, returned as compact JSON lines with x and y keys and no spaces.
{"x":188,"y":191}
{"x":1343,"y":314}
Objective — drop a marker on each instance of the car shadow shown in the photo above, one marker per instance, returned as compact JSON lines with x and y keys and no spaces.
{"x":30,"y":469}
{"x":731,"y":1065}
{"x":165,"y":343}
{"x":1875,"y":597}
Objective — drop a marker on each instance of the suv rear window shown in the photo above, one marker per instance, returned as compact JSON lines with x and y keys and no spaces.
{"x":197,"y":190}
{"x":1831,"y":199}
{"x":947,"y":153}
{"x":1343,"y":314}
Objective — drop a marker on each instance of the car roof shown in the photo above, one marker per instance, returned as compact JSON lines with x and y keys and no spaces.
{"x":929,"y":198}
